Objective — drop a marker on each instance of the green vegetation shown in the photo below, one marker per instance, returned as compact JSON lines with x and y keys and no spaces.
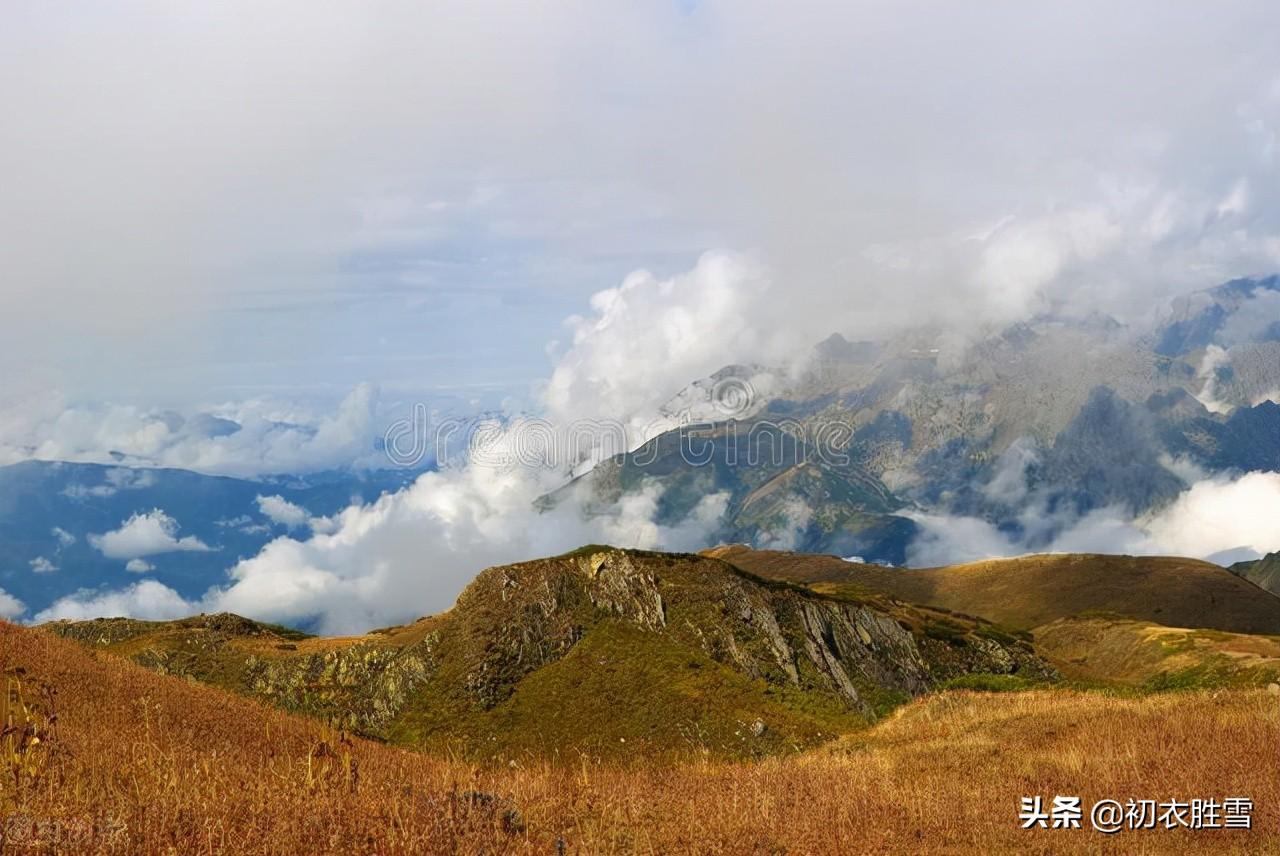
{"x":992,"y":683}
{"x":626,"y":692}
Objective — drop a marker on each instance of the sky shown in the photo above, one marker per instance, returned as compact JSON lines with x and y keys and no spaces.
{"x":217,"y":203}
{"x":304,"y":218}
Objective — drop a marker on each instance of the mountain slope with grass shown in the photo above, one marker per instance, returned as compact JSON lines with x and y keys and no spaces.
{"x":1026,"y":592}
{"x":603,"y":651}
{"x":1118,"y":650}
{"x":137,"y":762}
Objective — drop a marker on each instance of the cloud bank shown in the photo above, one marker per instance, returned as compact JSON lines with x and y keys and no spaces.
{"x":1222,"y":517}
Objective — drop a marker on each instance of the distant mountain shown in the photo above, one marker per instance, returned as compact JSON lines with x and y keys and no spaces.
{"x":1264,"y":572}
{"x":779,"y":489}
{"x":50,"y":512}
{"x":1075,"y":413}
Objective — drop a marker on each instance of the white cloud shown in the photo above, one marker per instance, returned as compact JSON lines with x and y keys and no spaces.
{"x":409,"y":553}
{"x":65,"y":538}
{"x":279,"y":510}
{"x":10,"y":606}
{"x":796,"y":516}
{"x":1114,"y":170}
{"x":1221,"y":514}
{"x":1214,"y":518}
{"x":139,"y":566}
{"x":1008,"y":483}
{"x":647,"y":338}
{"x":146,"y":599}
{"x":41,"y":565}
{"x":146,"y":534}
{"x":247,"y":439}
{"x":1214,"y":358}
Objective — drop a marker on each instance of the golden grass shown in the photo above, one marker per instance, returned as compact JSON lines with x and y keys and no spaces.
{"x":1134,"y":652}
{"x":1028,"y":591}
{"x":143,"y":763}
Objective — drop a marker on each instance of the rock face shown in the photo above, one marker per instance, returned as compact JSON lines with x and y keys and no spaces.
{"x":361,"y":687}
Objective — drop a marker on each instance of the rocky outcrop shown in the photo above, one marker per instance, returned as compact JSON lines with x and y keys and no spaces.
{"x":362,"y":687}
{"x":778,"y":633}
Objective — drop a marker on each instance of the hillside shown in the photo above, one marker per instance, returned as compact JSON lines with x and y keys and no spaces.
{"x":142,"y":763}
{"x":1029,"y":591}
{"x":602,"y":651}
{"x":1112,"y":649}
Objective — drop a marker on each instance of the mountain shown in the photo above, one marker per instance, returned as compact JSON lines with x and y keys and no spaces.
{"x":601,"y":651}
{"x":50,"y":511}
{"x":1030,"y":591}
{"x":779,"y":489}
{"x":1264,"y":572}
{"x":1069,"y":413}
{"x":1215,"y":317}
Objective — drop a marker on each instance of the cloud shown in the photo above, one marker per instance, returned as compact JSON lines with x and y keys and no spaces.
{"x":41,"y":565}
{"x":146,"y":599}
{"x":982,"y":164}
{"x":1221,"y":514}
{"x":139,"y":566}
{"x":279,"y":510}
{"x":1215,"y":357}
{"x":1008,"y":483}
{"x":65,"y":538}
{"x":246,"y":439}
{"x":649,"y":337}
{"x":1218,"y":517}
{"x":410,"y":553}
{"x":146,"y":534}
{"x":10,"y":606}
{"x":114,"y":481}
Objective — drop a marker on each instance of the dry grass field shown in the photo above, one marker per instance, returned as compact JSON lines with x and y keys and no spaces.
{"x":129,"y":761}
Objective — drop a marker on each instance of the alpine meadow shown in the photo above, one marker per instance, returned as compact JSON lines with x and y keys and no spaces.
{"x":682,"y":427}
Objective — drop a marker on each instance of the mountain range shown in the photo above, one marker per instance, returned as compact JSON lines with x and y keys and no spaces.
{"x":1061,"y":415}
{"x":1027,"y":428}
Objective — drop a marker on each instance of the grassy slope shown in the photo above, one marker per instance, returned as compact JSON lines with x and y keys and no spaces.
{"x":1137,"y":652}
{"x":172,"y":766}
{"x":1027,"y":592}
{"x":625,"y":693}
